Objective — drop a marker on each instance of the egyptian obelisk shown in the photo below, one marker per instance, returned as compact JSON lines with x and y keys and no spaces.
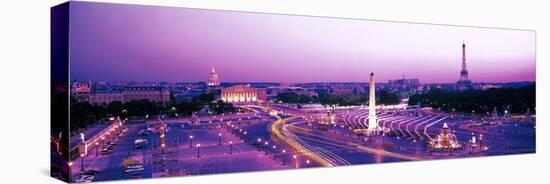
{"x":373,"y":124}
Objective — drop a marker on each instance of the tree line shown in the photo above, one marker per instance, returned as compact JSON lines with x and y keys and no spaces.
{"x":84,"y":114}
{"x":512,"y":100}
{"x":329,"y":99}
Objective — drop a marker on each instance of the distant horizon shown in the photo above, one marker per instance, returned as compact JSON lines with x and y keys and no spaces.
{"x":251,"y":82}
{"x":114,"y":42}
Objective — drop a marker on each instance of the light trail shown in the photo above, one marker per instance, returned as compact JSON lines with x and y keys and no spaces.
{"x":278,"y":127}
{"x":345,"y":144}
{"x":331,"y":157}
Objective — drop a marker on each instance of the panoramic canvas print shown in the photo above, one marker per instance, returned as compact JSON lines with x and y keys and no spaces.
{"x":147,"y":92}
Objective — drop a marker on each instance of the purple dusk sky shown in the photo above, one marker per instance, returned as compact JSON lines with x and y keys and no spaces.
{"x":114,"y":42}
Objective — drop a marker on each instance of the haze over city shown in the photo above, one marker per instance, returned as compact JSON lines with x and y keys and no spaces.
{"x":180,"y":45}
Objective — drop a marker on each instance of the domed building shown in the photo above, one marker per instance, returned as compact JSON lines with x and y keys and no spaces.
{"x":213,"y":79}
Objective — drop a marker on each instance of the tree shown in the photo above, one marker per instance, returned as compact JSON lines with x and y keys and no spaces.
{"x":187,"y":108}
{"x":141,"y":107}
{"x":387,"y":98}
{"x":291,"y":97}
{"x":514,"y":100}
{"x":220,"y":107}
{"x":204,"y":98}
{"x":115,"y":108}
{"x":81,"y":115}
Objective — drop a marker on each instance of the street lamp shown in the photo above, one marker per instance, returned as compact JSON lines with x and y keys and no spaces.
{"x":480,"y":142}
{"x":230,"y":147}
{"x":96,"y":148}
{"x":190,"y":141}
{"x":307,"y":163}
{"x":102,"y":142}
{"x":220,"y":139}
{"x":295,"y":160}
{"x":470,"y":141}
{"x":198,"y":151}
{"x":81,"y":162}
{"x":259,"y":144}
{"x":283,"y":157}
{"x":266,"y":146}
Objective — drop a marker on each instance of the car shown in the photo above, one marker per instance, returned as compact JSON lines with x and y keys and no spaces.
{"x":84,"y":179}
{"x":140,"y":141}
{"x":106,"y":151}
{"x":89,"y":172}
{"x":134,"y":168}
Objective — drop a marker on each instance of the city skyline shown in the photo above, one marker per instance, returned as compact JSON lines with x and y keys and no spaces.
{"x":180,"y":45}
{"x":335,"y":92}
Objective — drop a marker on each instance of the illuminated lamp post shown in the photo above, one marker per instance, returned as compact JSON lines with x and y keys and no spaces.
{"x":82,"y":162}
{"x":470,"y":141}
{"x":307,"y":163}
{"x":219,"y":139}
{"x":295,"y":160}
{"x":516,"y":128}
{"x":102,"y":142}
{"x":259,"y":144}
{"x":266,"y":147}
{"x":198,"y":150}
{"x":283,"y":157}
{"x":190,"y":141}
{"x":96,"y":148}
{"x":108,"y":136}
{"x":230,"y":147}
{"x":480,"y":142}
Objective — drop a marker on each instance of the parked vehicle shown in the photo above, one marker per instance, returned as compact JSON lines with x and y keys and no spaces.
{"x":90,"y":172}
{"x":133,"y":166}
{"x":84,"y":179}
{"x":140,"y":143}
